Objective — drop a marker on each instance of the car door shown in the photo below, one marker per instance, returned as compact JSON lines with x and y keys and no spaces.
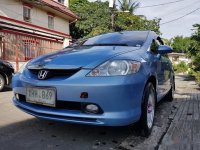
{"x":161,"y":68}
{"x":165,"y":73}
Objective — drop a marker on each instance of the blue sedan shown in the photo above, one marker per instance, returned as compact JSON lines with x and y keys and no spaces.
{"x":113,"y":79}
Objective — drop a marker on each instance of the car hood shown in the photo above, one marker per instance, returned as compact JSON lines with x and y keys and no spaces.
{"x":79,"y":57}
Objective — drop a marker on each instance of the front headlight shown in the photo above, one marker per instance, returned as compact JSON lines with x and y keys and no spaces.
{"x":115,"y":68}
{"x":21,"y":69}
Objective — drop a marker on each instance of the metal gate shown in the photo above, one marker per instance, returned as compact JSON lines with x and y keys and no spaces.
{"x":21,"y":47}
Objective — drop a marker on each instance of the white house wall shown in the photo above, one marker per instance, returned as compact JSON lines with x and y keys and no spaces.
{"x":61,"y":25}
{"x":11,"y":9}
{"x":14,"y":9}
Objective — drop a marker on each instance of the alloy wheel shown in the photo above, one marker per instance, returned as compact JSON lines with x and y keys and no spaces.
{"x":150,"y":109}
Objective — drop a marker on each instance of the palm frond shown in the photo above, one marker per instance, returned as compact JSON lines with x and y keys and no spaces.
{"x":129,"y":5}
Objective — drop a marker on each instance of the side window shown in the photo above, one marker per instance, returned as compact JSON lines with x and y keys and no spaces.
{"x":27,"y":13}
{"x":154,"y":46}
{"x":165,"y":55}
{"x":61,"y":1}
{"x":50,"y":22}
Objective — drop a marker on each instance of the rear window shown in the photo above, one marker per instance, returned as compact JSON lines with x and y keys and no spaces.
{"x":126,"y":38}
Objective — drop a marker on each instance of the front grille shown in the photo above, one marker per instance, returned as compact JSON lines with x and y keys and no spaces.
{"x":56,"y":72}
{"x":61,"y":117}
{"x":68,"y":105}
{"x":59,"y":104}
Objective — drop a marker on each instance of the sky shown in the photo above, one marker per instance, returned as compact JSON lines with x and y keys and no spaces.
{"x":172,"y":11}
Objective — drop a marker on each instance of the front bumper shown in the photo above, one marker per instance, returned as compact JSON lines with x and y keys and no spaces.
{"x":118,"y":97}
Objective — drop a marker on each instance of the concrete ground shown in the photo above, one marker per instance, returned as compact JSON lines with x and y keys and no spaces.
{"x":184,"y":129}
{"x":19,"y":130}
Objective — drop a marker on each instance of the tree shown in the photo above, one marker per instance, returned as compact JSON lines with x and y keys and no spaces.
{"x":128,"y":5}
{"x":126,"y":21}
{"x":95,"y":18}
{"x":167,"y":41}
{"x":181,"y":44}
{"x":196,"y":48}
{"x":196,"y":35}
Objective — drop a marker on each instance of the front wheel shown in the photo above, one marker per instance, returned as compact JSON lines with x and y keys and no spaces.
{"x":2,"y":83}
{"x":148,"y":109}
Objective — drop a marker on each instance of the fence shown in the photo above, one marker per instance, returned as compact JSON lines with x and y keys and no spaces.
{"x":19,"y":48}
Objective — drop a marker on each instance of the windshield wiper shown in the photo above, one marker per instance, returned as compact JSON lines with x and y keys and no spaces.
{"x":106,"y":44}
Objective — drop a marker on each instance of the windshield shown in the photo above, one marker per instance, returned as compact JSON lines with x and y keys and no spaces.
{"x":126,"y":38}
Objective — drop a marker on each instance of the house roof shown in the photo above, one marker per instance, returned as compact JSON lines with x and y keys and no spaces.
{"x":59,"y":7}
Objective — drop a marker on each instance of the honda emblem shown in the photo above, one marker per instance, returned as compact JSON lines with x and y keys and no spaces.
{"x":42,"y":74}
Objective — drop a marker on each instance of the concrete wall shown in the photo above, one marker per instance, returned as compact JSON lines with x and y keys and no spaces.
{"x":14,"y":9}
{"x":178,"y":59}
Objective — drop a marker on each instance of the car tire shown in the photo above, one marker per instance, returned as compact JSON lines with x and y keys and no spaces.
{"x":2,"y":82}
{"x":170,"y":95}
{"x":148,"y":110}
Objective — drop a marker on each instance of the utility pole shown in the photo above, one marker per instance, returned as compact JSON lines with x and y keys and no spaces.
{"x":112,"y":7}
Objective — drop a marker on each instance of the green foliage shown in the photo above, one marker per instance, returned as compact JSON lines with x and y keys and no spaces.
{"x":125,"y":21}
{"x":196,"y":35}
{"x":95,"y":18}
{"x":98,"y":30}
{"x":195,"y":52}
{"x":196,"y":61}
{"x":190,"y":72}
{"x":93,"y":15}
{"x":181,"y":67}
{"x":167,"y":42}
{"x":128,"y":5}
{"x":181,"y":44}
{"x":197,"y":76}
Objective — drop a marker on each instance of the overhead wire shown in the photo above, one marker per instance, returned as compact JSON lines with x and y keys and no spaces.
{"x":183,"y":8}
{"x":161,"y":4}
{"x":179,"y":17}
{"x":173,"y":11}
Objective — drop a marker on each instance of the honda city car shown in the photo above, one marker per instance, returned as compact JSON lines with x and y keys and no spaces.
{"x":113,"y":79}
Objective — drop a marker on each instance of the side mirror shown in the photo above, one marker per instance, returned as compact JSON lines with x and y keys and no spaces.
{"x":164,"y":49}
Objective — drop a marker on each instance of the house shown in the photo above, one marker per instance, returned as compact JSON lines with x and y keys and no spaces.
{"x":176,"y":58}
{"x":29,"y":28}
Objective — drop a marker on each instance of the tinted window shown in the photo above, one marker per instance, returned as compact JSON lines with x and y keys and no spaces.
{"x":126,"y":38}
{"x":154,"y":46}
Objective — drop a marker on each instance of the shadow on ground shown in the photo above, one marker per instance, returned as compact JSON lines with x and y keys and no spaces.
{"x":42,"y":134}
{"x":6,"y":89}
{"x":186,"y":77}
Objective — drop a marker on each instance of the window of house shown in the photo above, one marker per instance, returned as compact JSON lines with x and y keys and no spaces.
{"x":61,"y":1}
{"x":51,"y":22}
{"x":27,"y":13}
